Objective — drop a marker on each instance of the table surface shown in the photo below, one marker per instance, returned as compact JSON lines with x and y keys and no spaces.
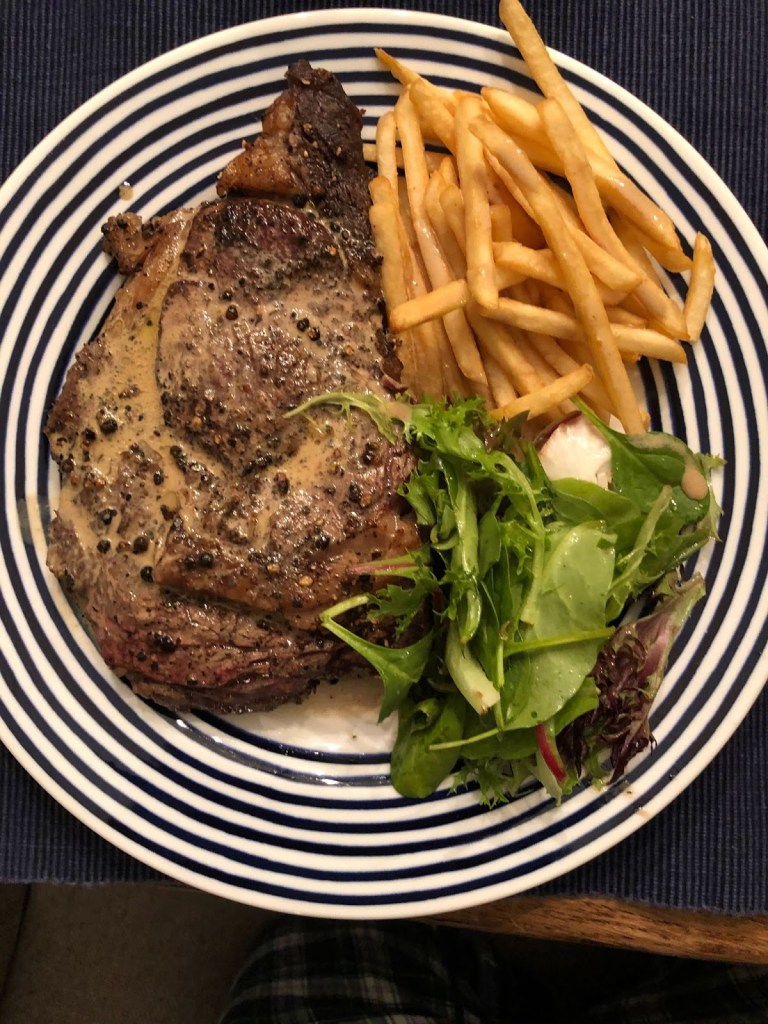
{"x":700,"y":64}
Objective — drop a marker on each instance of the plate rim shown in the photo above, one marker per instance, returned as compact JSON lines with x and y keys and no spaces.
{"x":342,"y":17}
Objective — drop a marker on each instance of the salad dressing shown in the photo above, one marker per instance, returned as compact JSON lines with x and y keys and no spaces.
{"x":694,"y":484}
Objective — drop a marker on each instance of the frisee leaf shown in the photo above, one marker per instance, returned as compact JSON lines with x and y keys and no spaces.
{"x":382,"y":413}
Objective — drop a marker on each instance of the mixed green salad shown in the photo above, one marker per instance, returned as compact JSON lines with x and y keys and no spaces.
{"x":534,"y":625}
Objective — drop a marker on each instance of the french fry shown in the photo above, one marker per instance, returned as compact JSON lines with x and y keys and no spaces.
{"x":433,"y":306}
{"x":646,"y":342}
{"x":670,"y":257}
{"x":524,"y":228}
{"x":499,"y":383}
{"x":434,"y":112}
{"x":433,"y":159}
{"x":620,"y":315}
{"x":522,"y":120}
{"x":589,"y":205}
{"x":650,"y":291}
{"x":701,"y":287}
{"x":546,"y":75}
{"x":537,"y":263}
{"x":452,"y":202}
{"x":578,"y":171}
{"x":615,"y":273}
{"x":401,"y":72}
{"x":503,"y":282}
{"x":581,"y":286}
{"x":612,"y":272}
{"x":448,"y":171}
{"x":441,"y":301}
{"x":501,"y":224}
{"x":537,"y":403}
{"x":386,"y":149}
{"x":421,"y":363}
{"x":462,"y":340}
{"x":528,"y":317}
{"x":563,"y":364}
{"x":545,"y":372}
{"x":628,"y":340}
{"x":502,"y":345}
{"x":454,"y":253}
{"x":515,"y":115}
{"x":470,"y":161}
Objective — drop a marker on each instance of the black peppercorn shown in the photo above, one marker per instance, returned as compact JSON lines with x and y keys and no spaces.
{"x":108,"y":424}
{"x":282,"y":484}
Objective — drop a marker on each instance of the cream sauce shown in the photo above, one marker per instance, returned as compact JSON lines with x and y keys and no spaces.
{"x":125,"y":389}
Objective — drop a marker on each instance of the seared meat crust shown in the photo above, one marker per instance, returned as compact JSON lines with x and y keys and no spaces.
{"x":200,"y":530}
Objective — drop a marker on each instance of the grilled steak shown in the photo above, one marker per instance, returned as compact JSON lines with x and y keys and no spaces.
{"x":200,"y":531}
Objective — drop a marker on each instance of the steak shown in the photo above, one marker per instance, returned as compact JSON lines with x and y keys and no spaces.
{"x":200,"y":531}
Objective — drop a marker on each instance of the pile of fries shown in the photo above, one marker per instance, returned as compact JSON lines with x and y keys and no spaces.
{"x":501,"y":280}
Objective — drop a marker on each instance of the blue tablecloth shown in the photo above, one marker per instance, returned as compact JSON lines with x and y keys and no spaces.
{"x":701,"y":65}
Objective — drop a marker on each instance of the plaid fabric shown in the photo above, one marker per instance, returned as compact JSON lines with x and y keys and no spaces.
{"x":687,"y":992}
{"x":321,"y":973}
{"x":312,"y":972}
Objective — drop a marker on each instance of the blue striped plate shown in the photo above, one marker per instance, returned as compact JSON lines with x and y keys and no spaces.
{"x":293,"y":810}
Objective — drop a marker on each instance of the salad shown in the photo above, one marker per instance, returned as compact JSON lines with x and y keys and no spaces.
{"x":535,"y":622}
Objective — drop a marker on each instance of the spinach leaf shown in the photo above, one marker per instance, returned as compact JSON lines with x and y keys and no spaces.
{"x":399,"y":667}
{"x":416,"y":769}
{"x":575,"y":581}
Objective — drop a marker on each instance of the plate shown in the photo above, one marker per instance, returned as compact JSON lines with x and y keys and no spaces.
{"x":293,"y":811}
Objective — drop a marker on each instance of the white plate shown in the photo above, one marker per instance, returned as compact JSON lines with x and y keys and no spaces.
{"x":293,"y":811}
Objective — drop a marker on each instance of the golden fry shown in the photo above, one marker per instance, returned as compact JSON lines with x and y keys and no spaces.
{"x":386,"y":148}
{"x":401,"y":72}
{"x":501,"y":224}
{"x":546,"y":75}
{"x":670,"y":257}
{"x":650,"y":291}
{"x":522,"y":120}
{"x":470,"y":161}
{"x":502,"y":345}
{"x":537,"y":403}
{"x":515,"y":115}
{"x":579,"y":281}
{"x":499,"y":383}
{"x":701,"y":287}
{"x":370,"y":156}
{"x":578,"y":171}
{"x":419,"y":353}
{"x":500,"y":281}
{"x":462,"y":340}
{"x":453,"y":252}
{"x":452,"y":202}
{"x":434,"y":112}
{"x":436,"y":304}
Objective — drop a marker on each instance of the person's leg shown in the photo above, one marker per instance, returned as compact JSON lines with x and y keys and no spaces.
{"x":318,"y":972}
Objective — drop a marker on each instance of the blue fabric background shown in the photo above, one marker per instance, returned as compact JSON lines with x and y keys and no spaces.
{"x":701,"y":65}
